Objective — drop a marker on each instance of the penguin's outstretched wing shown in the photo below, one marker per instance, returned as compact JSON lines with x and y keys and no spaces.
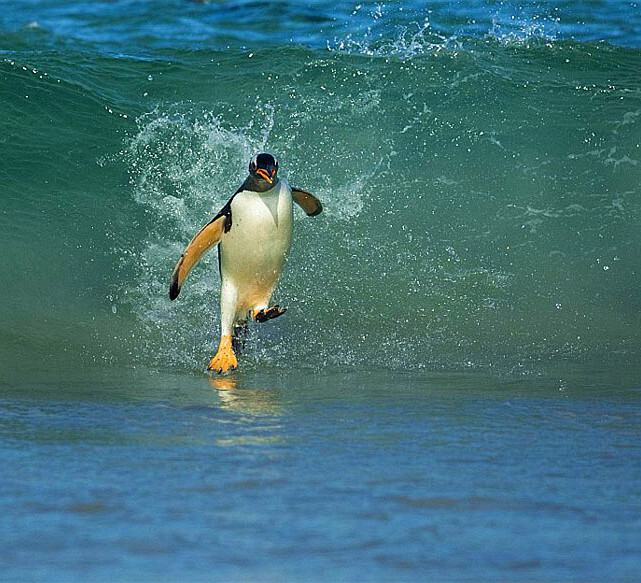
{"x":308,"y":202}
{"x":209,"y":235}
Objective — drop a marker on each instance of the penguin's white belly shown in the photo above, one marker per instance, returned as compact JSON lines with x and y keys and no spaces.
{"x":254,"y":250}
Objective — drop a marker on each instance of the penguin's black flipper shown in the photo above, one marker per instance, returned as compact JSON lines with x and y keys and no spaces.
{"x":209,"y":235}
{"x":308,"y":202}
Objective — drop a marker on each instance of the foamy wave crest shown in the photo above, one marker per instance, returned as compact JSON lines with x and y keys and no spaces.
{"x":409,"y":41}
{"x":520,"y":30}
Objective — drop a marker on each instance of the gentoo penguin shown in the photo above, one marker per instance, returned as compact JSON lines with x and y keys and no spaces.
{"x":254,"y":233}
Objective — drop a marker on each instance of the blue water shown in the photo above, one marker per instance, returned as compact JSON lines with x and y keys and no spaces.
{"x":454,"y":392}
{"x":341,"y":477}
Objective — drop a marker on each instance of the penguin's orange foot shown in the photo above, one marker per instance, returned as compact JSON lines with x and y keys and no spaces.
{"x":269,"y":313}
{"x":225,"y":359}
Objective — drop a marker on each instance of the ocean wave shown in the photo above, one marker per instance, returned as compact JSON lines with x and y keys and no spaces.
{"x":480,"y":209}
{"x":408,"y":41}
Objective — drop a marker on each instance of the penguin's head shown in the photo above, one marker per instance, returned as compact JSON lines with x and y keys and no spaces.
{"x":264,"y":168}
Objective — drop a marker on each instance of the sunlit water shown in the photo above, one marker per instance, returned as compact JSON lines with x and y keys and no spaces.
{"x":454,"y":391}
{"x":328,"y":477}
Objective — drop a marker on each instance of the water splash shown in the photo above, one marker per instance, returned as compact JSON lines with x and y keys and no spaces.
{"x":523,"y":29}
{"x":409,"y":41}
{"x":183,"y":167}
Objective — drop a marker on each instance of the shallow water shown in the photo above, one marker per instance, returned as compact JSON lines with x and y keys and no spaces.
{"x":143,"y":476}
{"x":454,"y":391}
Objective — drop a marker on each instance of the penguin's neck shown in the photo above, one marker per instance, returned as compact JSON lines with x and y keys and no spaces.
{"x":256,"y":185}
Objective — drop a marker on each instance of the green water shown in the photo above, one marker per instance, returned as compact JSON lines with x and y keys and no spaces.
{"x":481,"y":202}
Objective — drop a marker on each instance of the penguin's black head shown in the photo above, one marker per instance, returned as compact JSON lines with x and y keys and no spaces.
{"x":264,"y":167}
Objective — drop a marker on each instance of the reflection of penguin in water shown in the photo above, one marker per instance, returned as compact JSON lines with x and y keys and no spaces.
{"x":254,"y":230}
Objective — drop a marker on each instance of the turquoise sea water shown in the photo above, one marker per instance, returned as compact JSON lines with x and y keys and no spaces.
{"x":454,"y":391}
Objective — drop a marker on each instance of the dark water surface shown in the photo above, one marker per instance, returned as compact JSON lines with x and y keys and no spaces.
{"x":453,"y":394}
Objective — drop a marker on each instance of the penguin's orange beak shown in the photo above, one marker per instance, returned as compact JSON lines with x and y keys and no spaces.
{"x":262,"y":172}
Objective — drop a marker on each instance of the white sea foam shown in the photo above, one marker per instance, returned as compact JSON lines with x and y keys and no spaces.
{"x":412,"y":40}
{"x":520,"y":29}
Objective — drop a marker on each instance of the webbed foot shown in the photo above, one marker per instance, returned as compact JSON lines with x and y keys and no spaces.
{"x":268,"y":313}
{"x":225,"y":359}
